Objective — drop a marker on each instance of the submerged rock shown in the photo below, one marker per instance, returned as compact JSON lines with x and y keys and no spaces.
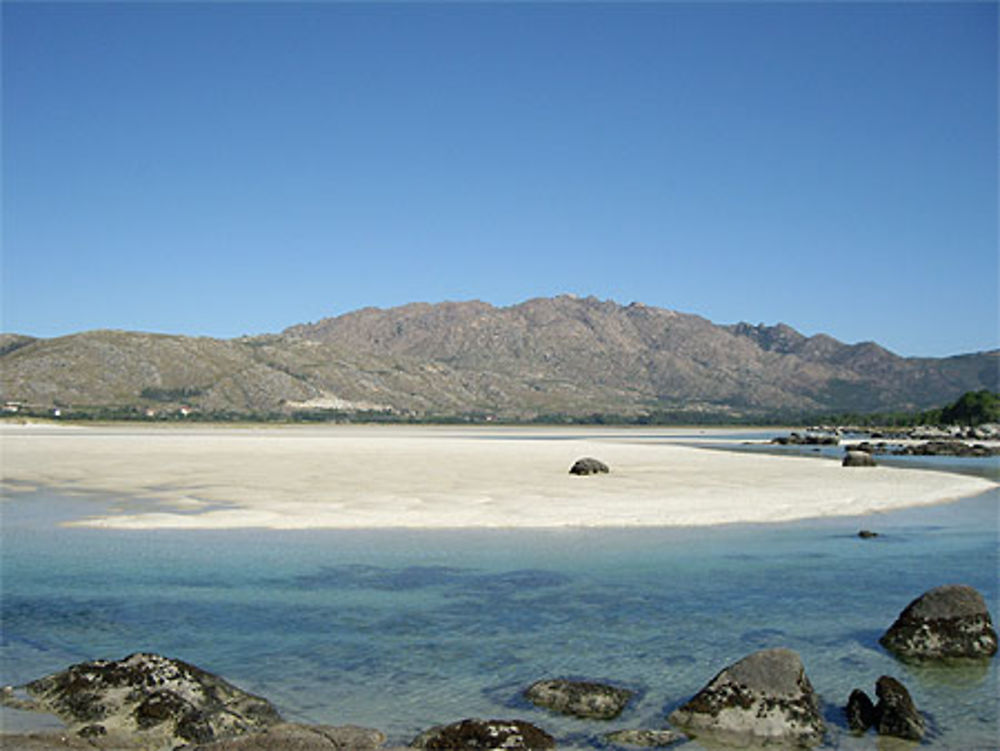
{"x":579,"y":698}
{"x":951,"y":621}
{"x":588,"y":466}
{"x":764,"y":698}
{"x":643,"y":738}
{"x":896,"y":715}
{"x":293,"y":737}
{"x":485,"y":734}
{"x":161,"y":700}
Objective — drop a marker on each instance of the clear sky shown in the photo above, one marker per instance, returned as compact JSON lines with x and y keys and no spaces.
{"x":228,"y":168}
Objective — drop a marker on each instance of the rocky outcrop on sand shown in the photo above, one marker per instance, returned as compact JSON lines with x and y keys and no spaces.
{"x":588,"y":466}
{"x":485,"y":734}
{"x":858,"y":459}
{"x":153,"y":699}
{"x":764,"y":698}
{"x":584,"y":699}
{"x":951,"y":621}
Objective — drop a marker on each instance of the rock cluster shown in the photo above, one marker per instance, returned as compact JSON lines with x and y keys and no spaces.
{"x":147,"y":701}
{"x":588,"y":466}
{"x":764,"y":698}
{"x":894,"y":715}
{"x":806,"y":439}
{"x":931,"y":448}
{"x":595,"y":701}
{"x":951,"y":621}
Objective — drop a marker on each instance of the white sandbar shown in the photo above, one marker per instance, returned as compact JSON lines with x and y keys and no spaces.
{"x":374,"y":477}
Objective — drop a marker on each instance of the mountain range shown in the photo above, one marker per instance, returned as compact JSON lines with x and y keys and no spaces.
{"x":547,"y":356}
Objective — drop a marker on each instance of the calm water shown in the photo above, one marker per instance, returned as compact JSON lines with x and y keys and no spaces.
{"x":402,"y":630}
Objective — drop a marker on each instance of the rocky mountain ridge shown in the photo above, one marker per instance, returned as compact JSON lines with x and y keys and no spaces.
{"x":562,"y":355}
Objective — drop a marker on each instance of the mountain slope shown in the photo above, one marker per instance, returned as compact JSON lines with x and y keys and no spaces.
{"x":653,"y":357}
{"x":544,"y":356}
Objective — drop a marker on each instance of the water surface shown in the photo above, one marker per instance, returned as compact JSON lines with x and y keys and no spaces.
{"x":403,"y":629}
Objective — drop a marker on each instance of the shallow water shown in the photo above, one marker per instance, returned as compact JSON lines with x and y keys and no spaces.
{"x":401,"y":630}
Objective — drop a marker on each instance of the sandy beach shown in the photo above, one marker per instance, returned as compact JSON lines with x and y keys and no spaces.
{"x":146,"y":477}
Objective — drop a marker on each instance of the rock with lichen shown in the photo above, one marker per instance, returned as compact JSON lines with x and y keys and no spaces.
{"x":148,"y":698}
{"x":764,"y":698}
{"x":476,"y":734}
{"x":585,"y":699}
{"x":951,"y":621}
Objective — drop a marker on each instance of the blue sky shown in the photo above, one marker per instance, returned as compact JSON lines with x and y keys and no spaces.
{"x":230,"y":168}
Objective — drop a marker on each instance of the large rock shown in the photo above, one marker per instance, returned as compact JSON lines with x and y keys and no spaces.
{"x":858,"y":459}
{"x":945,"y":622}
{"x":579,"y":698}
{"x":163,"y":701}
{"x":588,"y":466}
{"x":896,"y":715}
{"x":764,"y":698}
{"x":510,"y":735}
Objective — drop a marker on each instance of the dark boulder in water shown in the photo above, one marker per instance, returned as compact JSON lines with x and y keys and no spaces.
{"x":860,"y":711}
{"x":515,"y":735}
{"x":150,"y":697}
{"x":896,"y":715}
{"x":764,"y":698}
{"x":588,"y":466}
{"x":951,"y":621}
{"x":579,"y":698}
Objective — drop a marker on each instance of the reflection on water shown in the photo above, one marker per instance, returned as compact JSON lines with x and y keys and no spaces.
{"x":403,"y":629}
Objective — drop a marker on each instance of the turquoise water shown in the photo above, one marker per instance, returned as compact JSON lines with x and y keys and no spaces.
{"x":401,"y":630}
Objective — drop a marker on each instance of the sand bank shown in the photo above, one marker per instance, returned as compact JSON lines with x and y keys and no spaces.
{"x":373,"y":477}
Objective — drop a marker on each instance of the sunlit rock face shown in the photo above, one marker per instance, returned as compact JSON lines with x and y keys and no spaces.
{"x":765,"y":697}
{"x":150,"y":696}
